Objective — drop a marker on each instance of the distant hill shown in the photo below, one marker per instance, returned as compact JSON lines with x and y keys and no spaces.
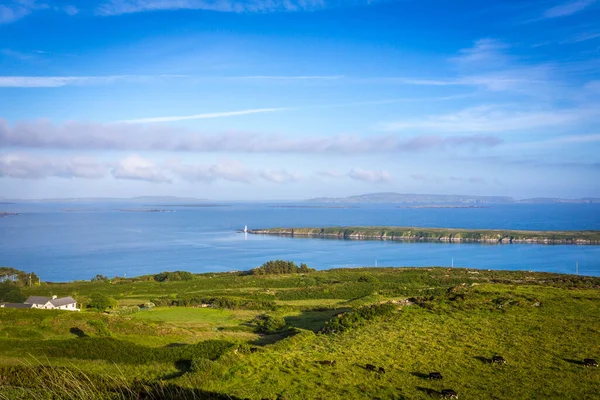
{"x":552,"y":200}
{"x":414,"y":198}
{"x":139,"y":199}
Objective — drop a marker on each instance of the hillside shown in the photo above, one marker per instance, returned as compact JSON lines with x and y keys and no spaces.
{"x":206,"y":337}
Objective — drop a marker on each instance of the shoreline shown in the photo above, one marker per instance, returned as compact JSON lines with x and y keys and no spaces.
{"x":444,"y":235}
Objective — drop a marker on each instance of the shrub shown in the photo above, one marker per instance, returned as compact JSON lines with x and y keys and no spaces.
{"x":101,"y":302}
{"x":99,"y":278}
{"x":101,"y":328}
{"x":281,"y":267}
{"x":174,"y":276}
{"x":120,"y":351}
{"x":10,"y":293}
{"x":127,"y":310}
{"x":358,"y":317}
{"x":269,"y":323}
{"x":201,"y":365}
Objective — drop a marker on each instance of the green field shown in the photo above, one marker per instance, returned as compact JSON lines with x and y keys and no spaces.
{"x":445,"y":320}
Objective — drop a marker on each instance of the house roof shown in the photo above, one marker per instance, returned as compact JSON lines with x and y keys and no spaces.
{"x":15,"y":305}
{"x":37,"y":300}
{"x":63,"y":301}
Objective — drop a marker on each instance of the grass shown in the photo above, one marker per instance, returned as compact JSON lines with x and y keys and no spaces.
{"x":542,"y":324}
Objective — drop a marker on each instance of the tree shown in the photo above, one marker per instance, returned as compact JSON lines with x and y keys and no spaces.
{"x":281,"y":267}
{"x":101,"y":302}
{"x":20,"y":278}
{"x":99,"y":278}
{"x":10,"y":293}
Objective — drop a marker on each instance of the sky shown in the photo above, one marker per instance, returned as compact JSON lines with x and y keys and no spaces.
{"x":293,"y":99}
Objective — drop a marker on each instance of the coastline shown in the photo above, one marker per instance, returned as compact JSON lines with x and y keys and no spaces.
{"x":445,"y":235}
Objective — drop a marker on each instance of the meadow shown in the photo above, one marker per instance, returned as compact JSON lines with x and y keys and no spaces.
{"x":276,"y":336}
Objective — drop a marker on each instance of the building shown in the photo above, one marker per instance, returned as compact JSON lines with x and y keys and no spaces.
{"x":45,"y":303}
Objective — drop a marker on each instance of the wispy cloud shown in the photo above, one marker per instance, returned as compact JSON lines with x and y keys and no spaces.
{"x":280,"y":176}
{"x":118,"y":7}
{"x":278,"y":78}
{"x":494,"y":118}
{"x":29,"y":166}
{"x":228,"y":170}
{"x":60,"y":81}
{"x":151,"y":137}
{"x":582,"y":37}
{"x":432,"y":179}
{"x":370,"y":176}
{"x":358,"y":174}
{"x":201,"y":116}
{"x":568,"y":8}
{"x":14,"y":10}
{"x":139,"y":168}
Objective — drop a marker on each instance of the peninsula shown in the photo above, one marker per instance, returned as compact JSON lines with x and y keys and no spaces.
{"x":447,"y":235}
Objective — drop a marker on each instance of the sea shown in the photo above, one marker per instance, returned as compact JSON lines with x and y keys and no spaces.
{"x":76,"y":241}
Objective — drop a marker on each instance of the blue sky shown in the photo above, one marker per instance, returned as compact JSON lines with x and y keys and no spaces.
{"x":291,"y":99}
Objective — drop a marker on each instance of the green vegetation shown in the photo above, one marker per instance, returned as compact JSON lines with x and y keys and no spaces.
{"x":266,"y":323}
{"x":19,"y":278}
{"x":439,"y":234}
{"x":100,"y":302}
{"x":281,"y":267}
{"x":206,"y":341}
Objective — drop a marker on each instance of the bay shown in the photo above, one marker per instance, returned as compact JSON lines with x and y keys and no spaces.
{"x":71,"y":241}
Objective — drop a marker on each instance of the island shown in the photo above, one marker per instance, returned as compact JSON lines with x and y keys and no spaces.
{"x":7,"y":214}
{"x":446,"y":235}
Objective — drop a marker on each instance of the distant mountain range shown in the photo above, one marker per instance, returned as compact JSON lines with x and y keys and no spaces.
{"x":389,"y":197}
{"x":139,"y":199}
{"x":444,"y":199}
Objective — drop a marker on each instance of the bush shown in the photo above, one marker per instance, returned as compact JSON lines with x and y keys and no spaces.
{"x":120,"y":351}
{"x":281,"y":267}
{"x":269,"y":323}
{"x":174,"y":276}
{"x":101,"y":302}
{"x":127,"y":310}
{"x":201,"y":365}
{"x":358,"y":317}
{"x":10,"y":293}
{"x":101,"y":328}
{"x":99,"y":278}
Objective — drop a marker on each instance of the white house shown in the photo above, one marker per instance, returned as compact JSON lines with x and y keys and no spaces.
{"x":54,"y":303}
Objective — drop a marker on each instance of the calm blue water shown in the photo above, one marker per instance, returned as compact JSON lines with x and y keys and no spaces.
{"x":62,"y":245}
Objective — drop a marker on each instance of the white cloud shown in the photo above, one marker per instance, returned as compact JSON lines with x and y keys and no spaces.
{"x":200,"y":116}
{"x":438,"y":180}
{"x":141,"y":137}
{"x":60,"y":81}
{"x":494,"y":118}
{"x":28,"y":166}
{"x":278,"y":78}
{"x":118,"y":7}
{"x":568,"y":8}
{"x":137,"y":168}
{"x":371,"y":176}
{"x":228,"y":170}
{"x":280,"y":176}
{"x":14,"y":10}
